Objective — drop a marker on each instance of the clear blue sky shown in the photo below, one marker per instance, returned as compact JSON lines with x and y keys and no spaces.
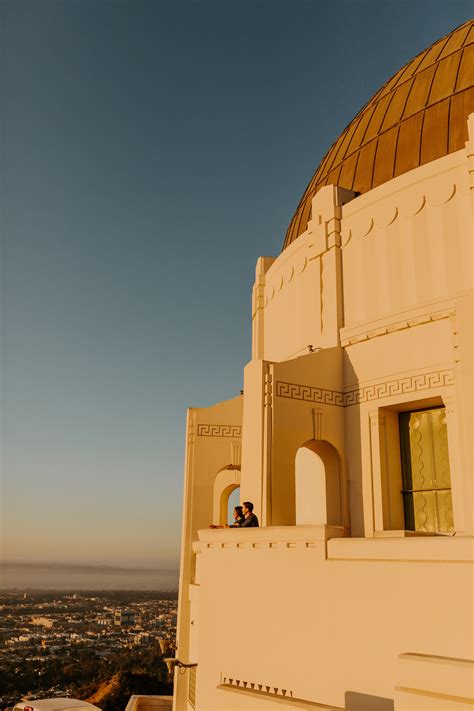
{"x":150,"y":152}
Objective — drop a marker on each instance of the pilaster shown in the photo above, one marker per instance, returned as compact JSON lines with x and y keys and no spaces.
{"x":325,"y":245}
{"x":470,"y":158}
{"x":462,"y":503}
{"x":254,"y":442}
{"x":258,"y":307}
{"x":377,"y":445}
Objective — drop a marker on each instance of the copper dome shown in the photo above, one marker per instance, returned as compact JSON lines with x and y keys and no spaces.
{"x":420,"y":114}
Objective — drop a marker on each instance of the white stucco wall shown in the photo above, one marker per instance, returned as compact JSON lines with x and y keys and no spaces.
{"x":367,"y":314}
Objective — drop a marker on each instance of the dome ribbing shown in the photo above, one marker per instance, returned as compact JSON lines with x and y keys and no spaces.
{"x":419,"y":115}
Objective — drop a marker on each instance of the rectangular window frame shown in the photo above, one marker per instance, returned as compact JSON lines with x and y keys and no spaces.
{"x":387,"y":477}
{"x":406,"y":467}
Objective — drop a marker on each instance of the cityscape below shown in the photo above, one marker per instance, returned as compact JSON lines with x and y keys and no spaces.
{"x":99,"y":646}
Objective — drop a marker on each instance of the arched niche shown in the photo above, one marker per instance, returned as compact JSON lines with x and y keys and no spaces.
{"x":233,"y":500}
{"x":226,"y":481}
{"x":318,"y":486}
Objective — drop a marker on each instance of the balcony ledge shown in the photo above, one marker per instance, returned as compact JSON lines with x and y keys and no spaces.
{"x":266,"y":536}
{"x":335,"y":546}
{"x":149,"y":703}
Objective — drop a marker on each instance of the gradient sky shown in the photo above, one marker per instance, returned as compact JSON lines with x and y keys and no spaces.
{"x":150,"y":152}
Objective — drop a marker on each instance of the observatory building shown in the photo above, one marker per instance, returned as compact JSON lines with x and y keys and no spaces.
{"x":353,"y":435}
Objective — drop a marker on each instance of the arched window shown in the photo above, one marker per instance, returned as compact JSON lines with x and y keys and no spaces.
{"x":233,"y":500}
{"x":225,"y":483}
{"x":318,"y":491}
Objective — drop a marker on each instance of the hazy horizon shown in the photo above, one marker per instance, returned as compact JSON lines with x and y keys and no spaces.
{"x":35,"y":575}
{"x":84,"y":566}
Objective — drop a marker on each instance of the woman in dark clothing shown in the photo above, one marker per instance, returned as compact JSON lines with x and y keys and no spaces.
{"x":239,"y":517}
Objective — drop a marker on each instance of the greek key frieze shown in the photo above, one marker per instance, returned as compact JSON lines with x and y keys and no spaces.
{"x":409,"y":384}
{"x":219,"y":431}
{"x":309,"y":394}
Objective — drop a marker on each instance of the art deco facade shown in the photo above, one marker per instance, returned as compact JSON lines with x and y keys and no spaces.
{"x":353,"y":437}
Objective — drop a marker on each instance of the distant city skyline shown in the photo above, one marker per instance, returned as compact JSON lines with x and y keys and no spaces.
{"x":23,"y":575}
{"x":152,"y":151}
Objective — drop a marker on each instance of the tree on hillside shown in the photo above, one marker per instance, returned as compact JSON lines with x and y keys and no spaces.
{"x":130,"y":683}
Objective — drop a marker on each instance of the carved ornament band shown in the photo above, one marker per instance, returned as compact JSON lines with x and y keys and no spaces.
{"x":409,"y":384}
{"x":219,"y":431}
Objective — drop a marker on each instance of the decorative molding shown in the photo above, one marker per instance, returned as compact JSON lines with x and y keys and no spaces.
{"x":307,"y":393}
{"x":318,"y":418}
{"x":333,"y":231}
{"x":377,"y":418}
{"x":455,"y":337}
{"x":400,"y":386}
{"x":191,"y":431}
{"x":267,"y":545}
{"x":398,"y":326}
{"x":258,"y":296}
{"x":268,"y":388}
{"x":470,"y":151}
{"x":219,"y":431}
{"x":449,"y":403}
{"x":267,"y":691}
{"x":286,"y":272}
{"x":318,"y":240}
{"x":236,"y":454}
{"x":383,"y":213}
{"x":228,"y":681}
{"x":409,"y":384}
{"x":321,"y":294}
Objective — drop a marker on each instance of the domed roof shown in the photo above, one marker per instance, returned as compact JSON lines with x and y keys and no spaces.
{"x":419,"y":115}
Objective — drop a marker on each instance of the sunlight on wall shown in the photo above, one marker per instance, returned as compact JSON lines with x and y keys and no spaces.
{"x":310,"y":487}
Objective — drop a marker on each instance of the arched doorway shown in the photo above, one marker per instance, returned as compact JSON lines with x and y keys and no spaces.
{"x":233,"y":500}
{"x":227,"y":482}
{"x":318,"y":488}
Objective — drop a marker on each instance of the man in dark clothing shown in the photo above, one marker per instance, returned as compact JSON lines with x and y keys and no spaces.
{"x":250,"y":519}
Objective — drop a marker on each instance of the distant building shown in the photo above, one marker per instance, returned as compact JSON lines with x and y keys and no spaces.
{"x":124,"y":618}
{"x":143,"y":638}
{"x":42,"y":622}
